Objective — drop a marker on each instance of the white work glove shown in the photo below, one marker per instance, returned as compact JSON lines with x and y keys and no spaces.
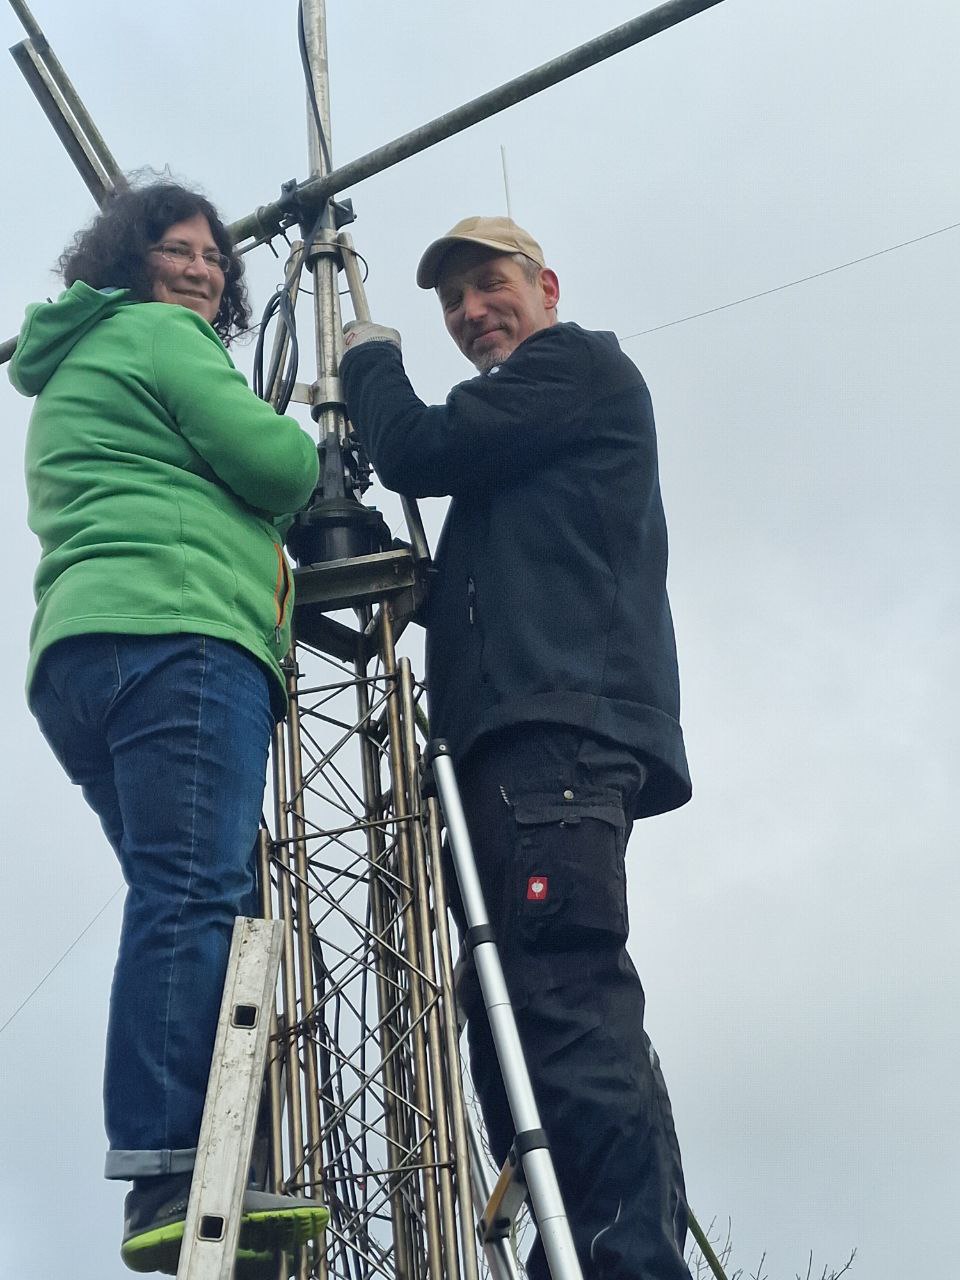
{"x":357,"y":331}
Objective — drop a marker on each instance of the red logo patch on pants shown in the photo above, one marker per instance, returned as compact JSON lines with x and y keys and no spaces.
{"x":537,"y":888}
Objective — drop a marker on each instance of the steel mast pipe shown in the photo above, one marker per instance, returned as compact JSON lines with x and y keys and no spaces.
{"x":325,"y":266}
{"x":312,"y":16}
{"x":268,"y":219}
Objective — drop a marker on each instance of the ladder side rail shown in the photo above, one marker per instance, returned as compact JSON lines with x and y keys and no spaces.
{"x":537,"y":1163}
{"x":275,"y":1051}
{"x":212,"y":1226}
{"x":468,"y":1190}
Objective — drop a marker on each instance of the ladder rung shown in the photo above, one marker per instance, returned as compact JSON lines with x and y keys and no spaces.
{"x":506,"y":1200}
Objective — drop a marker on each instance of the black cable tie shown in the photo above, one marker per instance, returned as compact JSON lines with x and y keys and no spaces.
{"x":479,"y":933}
{"x":435,"y":747}
{"x":530,"y":1140}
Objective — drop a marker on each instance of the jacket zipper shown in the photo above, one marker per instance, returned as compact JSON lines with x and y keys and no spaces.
{"x":282,"y":592}
{"x":471,"y":601}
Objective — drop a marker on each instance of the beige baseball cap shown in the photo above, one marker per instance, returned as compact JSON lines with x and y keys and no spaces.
{"x":501,"y":234}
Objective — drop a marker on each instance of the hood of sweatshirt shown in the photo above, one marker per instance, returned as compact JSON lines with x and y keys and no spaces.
{"x":52,"y":329}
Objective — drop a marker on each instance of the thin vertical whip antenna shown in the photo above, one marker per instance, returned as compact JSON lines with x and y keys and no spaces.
{"x":506,"y":182}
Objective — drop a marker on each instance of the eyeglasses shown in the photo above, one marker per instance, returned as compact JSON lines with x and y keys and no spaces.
{"x":182,"y":255}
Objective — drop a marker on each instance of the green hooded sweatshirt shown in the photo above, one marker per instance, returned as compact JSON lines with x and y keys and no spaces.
{"x":156,"y":479}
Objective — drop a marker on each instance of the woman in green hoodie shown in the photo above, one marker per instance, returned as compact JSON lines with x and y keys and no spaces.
{"x":158,"y":485}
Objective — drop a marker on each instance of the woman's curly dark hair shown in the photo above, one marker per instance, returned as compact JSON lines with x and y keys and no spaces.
{"x":112,"y":250}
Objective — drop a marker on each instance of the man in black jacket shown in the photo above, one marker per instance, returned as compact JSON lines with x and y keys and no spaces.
{"x":552,"y":674}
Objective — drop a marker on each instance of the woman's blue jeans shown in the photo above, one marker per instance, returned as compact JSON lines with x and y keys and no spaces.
{"x":168,"y":737}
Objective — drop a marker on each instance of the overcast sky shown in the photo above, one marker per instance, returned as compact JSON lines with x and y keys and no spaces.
{"x":795,"y":925}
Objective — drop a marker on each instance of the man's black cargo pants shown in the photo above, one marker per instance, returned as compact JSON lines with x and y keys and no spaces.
{"x":547,"y":810}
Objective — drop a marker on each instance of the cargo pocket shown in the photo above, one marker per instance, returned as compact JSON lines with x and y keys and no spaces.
{"x":570,"y":890}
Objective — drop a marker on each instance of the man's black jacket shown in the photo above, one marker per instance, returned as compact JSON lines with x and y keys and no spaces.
{"x":550,"y":602}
